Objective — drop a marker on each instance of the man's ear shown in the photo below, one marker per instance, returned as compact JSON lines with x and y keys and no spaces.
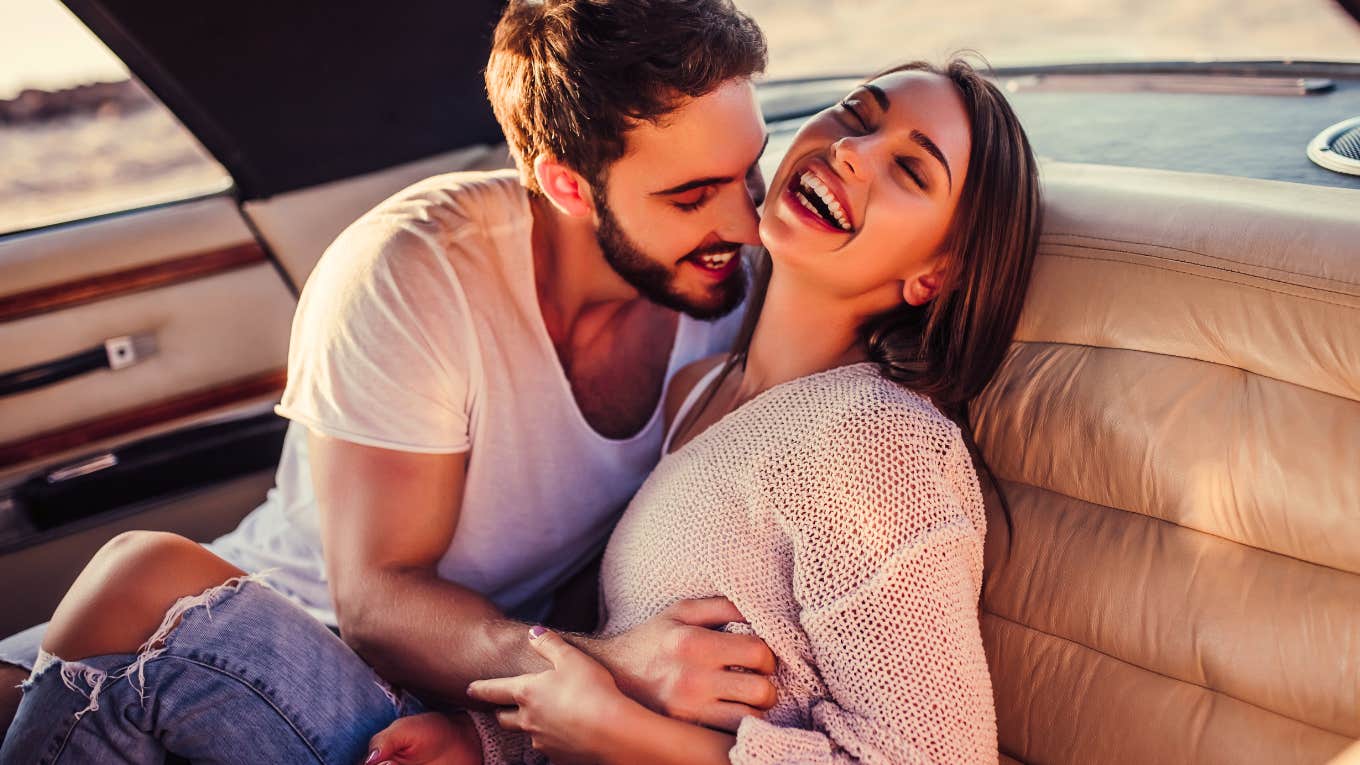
{"x":564,"y":187}
{"x":925,"y":287}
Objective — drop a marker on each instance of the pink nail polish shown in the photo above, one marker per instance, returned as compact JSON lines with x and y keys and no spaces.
{"x":372,"y":757}
{"x":536,"y":631}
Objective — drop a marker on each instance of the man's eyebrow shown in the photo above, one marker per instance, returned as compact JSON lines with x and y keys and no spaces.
{"x":699,"y":183}
{"x":923,"y":140}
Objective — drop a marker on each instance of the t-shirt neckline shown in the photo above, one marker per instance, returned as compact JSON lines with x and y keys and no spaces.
{"x":540,"y":330}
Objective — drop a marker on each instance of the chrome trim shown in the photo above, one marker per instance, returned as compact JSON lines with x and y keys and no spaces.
{"x":92,"y":465}
{"x":1320,"y":149}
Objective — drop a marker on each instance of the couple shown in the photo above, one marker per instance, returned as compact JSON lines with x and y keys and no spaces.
{"x":487,"y":366}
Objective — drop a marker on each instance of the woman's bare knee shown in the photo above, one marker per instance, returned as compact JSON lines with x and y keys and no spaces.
{"x":121,"y":597}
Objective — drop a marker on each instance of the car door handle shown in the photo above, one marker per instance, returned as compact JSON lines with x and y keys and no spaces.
{"x":114,"y":353}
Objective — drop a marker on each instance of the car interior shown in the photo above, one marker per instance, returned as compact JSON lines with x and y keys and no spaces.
{"x":1173,"y":552}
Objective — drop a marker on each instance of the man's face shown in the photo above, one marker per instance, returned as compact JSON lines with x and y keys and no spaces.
{"x":681,"y":201}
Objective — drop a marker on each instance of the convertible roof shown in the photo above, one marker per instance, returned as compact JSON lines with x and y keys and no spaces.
{"x":292,"y":94}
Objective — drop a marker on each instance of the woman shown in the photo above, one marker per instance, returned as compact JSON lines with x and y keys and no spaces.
{"x":811,"y":478}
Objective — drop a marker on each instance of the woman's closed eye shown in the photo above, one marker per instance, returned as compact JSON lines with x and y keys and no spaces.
{"x":853,"y":107}
{"x":908,"y":166}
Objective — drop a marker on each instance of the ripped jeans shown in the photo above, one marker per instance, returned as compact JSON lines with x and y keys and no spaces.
{"x":237,"y":674}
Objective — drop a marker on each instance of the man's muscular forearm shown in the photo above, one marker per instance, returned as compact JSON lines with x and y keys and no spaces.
{"x":388,"y":518}
{"x":431,"y":635}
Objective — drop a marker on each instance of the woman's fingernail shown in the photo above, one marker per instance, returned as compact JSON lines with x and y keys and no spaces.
{"x":372,"y":757}
{"x":536,"y":631}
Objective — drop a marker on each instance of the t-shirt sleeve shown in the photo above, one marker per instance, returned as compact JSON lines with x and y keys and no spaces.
{"x":382,"y":351}
{"x":887,"y":580}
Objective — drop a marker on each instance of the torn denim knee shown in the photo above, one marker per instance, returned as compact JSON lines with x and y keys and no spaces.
{"x":89,"y":681}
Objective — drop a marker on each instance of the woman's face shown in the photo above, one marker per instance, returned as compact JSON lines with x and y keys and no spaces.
{"x":861,"y":203}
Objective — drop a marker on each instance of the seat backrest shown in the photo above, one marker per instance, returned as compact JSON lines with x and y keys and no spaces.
{"x":1176,"y":432}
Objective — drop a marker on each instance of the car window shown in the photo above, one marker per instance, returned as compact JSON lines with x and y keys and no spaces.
{"x":79,"y":136}
{"x":821,"y":37}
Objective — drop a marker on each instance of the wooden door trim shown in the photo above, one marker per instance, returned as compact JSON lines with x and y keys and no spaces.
{"x":89,"y":289}
{"x":196,"y":402}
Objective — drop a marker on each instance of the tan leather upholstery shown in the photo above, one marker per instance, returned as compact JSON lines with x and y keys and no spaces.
{"x":1177,"y":434}
{"x":300,"y":225}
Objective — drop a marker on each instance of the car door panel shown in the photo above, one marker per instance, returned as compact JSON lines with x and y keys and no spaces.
{"x":183,"y":440}
{"x":299,"y":225}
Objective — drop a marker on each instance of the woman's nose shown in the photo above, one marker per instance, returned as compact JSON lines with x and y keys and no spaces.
{"x":847,"y":157}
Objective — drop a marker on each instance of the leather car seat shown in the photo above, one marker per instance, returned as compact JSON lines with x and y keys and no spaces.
{"x":1176,"y":433}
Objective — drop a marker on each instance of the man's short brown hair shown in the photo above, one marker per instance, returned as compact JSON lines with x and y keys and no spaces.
{"x":569,"y":78}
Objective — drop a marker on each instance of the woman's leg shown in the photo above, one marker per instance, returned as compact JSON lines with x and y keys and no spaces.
{"x":122,"y":595}
{"x":236,"y":673}
{"x":110,"y":609}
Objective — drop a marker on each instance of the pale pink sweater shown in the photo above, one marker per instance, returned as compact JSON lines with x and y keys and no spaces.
{"x":841,"y":514}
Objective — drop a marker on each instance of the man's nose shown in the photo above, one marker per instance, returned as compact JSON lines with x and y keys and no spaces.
{"x":740,"y":222}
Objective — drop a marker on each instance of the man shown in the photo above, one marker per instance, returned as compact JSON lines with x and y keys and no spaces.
{"x":480,"y":362}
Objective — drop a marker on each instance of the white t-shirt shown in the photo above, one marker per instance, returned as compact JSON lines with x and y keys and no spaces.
{"x":420,"y":331}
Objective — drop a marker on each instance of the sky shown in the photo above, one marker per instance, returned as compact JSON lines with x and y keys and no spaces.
{"x":42,"y":45}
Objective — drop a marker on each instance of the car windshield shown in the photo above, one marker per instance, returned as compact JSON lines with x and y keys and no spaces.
{"x":819,"y":37}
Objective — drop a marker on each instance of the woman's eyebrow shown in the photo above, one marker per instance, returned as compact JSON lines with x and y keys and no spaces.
{"x":919,"y":138}
{"x":879,"y":96}
{"x":923,"y":140}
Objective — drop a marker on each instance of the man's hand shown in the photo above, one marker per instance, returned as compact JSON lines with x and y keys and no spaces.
{"x":675,"y":663}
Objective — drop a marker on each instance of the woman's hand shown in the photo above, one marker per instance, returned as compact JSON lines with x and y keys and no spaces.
{"x":569,"y":711}
{"x":426,"y":739}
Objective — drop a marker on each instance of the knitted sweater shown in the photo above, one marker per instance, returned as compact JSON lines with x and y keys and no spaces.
{"x":841,"y":514}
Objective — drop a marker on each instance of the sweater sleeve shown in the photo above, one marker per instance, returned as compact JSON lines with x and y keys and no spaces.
{"x":887,"y":548}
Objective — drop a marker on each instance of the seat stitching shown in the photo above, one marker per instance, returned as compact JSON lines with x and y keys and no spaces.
{"x":1209,"y":266}
{"x":1159,"y":673}
{"x":1196,"y":252}
{"x":1181,"y":526}
{"x":1206,"y":276}
{"x":1243,"y":370}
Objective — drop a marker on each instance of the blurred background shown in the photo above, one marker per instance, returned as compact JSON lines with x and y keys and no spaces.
{"x":78,"y":137}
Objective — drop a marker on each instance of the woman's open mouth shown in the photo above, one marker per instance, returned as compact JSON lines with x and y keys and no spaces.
{"x":813,"y":196}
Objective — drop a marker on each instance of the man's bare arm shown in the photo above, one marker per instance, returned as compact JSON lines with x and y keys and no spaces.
{"x":388,"y":517}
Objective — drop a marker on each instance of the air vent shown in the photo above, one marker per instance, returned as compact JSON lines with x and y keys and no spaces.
{"x":1338,"y":147}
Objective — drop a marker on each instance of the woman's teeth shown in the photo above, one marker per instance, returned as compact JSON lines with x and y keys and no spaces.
{"x":718,"y":260}
{"x":815,"y":196}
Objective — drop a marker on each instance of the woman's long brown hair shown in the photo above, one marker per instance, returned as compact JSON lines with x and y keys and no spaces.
{"x":949,"y":348}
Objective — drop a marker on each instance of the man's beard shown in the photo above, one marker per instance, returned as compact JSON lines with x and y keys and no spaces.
{"x":655,"y":282}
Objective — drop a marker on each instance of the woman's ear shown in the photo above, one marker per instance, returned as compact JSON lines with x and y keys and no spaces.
{"x":924,"y":287}
{"x":564,"y":187}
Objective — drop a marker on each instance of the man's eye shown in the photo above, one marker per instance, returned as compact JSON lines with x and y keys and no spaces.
{"x":690,"y":200}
